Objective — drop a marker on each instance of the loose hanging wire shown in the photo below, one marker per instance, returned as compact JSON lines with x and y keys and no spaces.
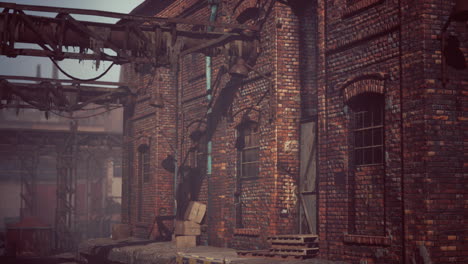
{"x":79,"y":79}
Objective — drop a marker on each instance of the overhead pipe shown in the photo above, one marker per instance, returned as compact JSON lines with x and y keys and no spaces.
{"x":64,"y":31}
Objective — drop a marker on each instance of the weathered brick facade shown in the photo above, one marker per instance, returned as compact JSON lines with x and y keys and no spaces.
{"x":316,"y":60}
{"x":414,"y":202}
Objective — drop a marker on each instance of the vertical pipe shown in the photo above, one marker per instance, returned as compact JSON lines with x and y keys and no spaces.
{"x":176,"y":69}
{"x":209,"y":145}
{"x":402,"y":135}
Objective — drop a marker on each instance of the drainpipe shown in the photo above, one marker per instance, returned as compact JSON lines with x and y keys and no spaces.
{"x":214,"y":10}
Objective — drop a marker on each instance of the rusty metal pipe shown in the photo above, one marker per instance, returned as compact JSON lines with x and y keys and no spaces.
{"x":49,"y":28}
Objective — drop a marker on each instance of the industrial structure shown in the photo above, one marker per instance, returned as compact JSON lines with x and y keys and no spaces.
{"x":344,"y":119}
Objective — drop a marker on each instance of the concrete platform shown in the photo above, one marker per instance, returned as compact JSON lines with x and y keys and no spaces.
{"x":138,"y":251}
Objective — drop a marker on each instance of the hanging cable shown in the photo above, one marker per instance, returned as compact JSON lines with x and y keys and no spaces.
{"x":79,"y":79}
{"x":83,"y":117}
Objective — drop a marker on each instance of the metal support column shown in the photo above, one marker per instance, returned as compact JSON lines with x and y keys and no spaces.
{"x":28,"y":162}
{"x":66,"y":192}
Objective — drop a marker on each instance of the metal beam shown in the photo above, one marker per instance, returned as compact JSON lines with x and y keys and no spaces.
{"x":124,"y":16}
{"x":48,"y":95}
{"x":157,"y":45}
{"x":40,"y":79}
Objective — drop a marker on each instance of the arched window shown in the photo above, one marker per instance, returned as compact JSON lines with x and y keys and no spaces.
{"x":368,"y":128}
{"x":248,"y":146}
{"x":367,"y":171}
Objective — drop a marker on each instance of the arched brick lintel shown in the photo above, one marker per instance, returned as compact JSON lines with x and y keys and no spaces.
{"x":365,"y":83}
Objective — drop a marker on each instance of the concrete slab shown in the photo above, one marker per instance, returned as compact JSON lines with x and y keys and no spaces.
{"x":138,"y":251}
{"x":131,"y":250}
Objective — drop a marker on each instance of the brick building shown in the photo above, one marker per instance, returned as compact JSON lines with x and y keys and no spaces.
{"x":350,"y":124}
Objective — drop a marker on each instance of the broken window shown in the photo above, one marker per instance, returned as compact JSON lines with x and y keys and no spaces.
{"x":368,"y":127}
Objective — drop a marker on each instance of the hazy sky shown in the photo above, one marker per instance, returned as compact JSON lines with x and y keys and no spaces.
{"x":26,"y":66}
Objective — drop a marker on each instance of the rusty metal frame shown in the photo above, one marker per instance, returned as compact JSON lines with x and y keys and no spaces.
{"x":29,"y":162}
{"x":125,"y":16}
{"x":51,"y":95}
{"x":65,"y":225}
{"x":31,"y":144}
{"x":83,"y":31}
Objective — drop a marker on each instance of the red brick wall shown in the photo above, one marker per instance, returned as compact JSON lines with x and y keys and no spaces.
{"x":278,"y":115}
{"x":398,"y":41}
{"x":319,"y":56}
{"x":155,"y":127}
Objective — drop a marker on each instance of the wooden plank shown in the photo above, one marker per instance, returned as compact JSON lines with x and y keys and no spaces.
{"x":292,"y":239}
{"x":271,"y":255}
{"x":294,"y":246}
{"x":255,"y":253}
{"x":308,"y":171}
{"x":296,"y":252}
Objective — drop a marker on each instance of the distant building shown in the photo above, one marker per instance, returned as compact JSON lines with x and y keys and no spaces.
{"x":30,"y":148}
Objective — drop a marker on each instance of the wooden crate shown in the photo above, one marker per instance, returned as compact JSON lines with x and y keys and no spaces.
{"x":185,"y":241}
{"x":195,"y":212}
{"x":187,"y":228}
{"x":121,"y":231}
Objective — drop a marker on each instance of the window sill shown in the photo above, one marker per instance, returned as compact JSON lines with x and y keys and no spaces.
{"x":370,"y":165}
{"x":142,"y":225}
{"x":249,"y":178}
{"x":367,"y":240}
{"x":246,"y":231}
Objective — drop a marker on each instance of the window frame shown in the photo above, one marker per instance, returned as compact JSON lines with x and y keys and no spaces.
{"x":144,"y":172}
{"x":373,"y":105}
{"x":253,"y":130}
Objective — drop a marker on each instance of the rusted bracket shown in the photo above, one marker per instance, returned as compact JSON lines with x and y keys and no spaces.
{"x":92,"y":34}
{"x":44,"y":39}
{"x":205,"y":45}
{"x":60,"y":36}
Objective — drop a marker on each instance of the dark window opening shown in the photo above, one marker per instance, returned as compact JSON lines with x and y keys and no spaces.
{"x":368,"y":129}
{"x":117,"y":165}
{"x":249,"y":154}
{"x":144,"y":163}
{"x":143,"y":175}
